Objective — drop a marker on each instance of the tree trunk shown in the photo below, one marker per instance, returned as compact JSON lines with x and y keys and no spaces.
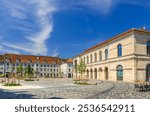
{"x":19,"y":80}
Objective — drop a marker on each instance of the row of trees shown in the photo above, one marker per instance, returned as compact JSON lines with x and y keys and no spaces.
{"x":18,"y":74}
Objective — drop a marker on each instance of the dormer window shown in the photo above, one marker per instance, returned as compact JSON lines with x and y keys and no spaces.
{"x":45,"y":62}
{"x":38,"y":58}
{"x":8,"y":59}
{"x":30,"y":61}
{"x":18,"y":60}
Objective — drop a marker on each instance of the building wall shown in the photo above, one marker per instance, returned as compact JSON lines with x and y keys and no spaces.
{"x":44,"y":70}
{"x":134,"y":59}
{"x":142,"y":58}
{"x":67,"y":70}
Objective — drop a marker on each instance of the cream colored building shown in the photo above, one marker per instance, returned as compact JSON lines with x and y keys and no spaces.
{"x":67,"y":68}
{"x":125,"y":57}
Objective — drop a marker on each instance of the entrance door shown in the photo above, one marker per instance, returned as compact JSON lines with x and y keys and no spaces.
{"x":120,"y":73}
{"x":106,"y":73}
{"x":69,"y":75}
{"x":95,"y":73}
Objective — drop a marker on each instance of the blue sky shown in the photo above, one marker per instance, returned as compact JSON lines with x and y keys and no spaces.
{"x":66,"y":28}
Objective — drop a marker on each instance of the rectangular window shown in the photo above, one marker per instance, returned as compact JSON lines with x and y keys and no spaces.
{"x":148,"y":48}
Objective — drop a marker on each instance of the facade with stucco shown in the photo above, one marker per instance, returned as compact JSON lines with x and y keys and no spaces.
{"x":125,"y":57}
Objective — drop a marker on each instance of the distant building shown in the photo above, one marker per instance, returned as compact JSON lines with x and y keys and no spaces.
{"x":125,"y":57}
{"x":67,"y":68}
{"x":43,"y":66}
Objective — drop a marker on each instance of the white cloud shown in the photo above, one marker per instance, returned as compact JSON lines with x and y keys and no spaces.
{"x":16,"y":9}
{"x":55,"y":53}
{"x":101,"y":6}
{"x":6,"y":50}
{"x":18,"y":46}
{"x":41,"y":12}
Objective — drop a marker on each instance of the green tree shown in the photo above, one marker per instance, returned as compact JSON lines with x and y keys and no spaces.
{"x":81,"y":68}
{"x":12,"y":75}
{"x":29,"y":71}
{"x":19,"y":72}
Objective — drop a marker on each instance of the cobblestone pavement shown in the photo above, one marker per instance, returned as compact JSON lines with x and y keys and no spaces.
{"x":65,"y":89}
{"x":123,"y":91}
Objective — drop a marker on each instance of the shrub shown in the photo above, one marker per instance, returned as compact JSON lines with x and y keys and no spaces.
{"x":29,"y":79}
{"x":12,"y":84}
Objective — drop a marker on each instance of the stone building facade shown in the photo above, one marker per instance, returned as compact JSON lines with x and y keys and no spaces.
{"x":43,"y":66}
{"x":125,"y":57}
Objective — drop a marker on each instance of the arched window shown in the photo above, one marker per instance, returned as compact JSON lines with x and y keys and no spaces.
{"x":87,"y":73}
{"x":100,"y":55}
{"x":120,"y":73}
{"x":106,"y":54}
{"x":148,"y":72}
{"x":148,"y":47}
{"x":87,"y":59}
{"x":75,"y":62}
{"x":95,"y":55}
{"x":119,"y":47}
{"x":91,"y":58}
{"x":81,"y":60}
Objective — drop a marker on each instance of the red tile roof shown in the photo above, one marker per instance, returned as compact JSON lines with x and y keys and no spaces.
{"x":69,"y":61}
{"x":32,"y":58}
{"x":116,"y":37}
{"x":1,"y":58}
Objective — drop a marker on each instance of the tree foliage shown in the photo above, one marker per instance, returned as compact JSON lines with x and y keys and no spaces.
{"x":28,"y":71}
{"x":20,"y":70}
{"x":81,"y":67}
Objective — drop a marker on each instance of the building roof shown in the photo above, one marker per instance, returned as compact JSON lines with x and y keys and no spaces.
{"x":133,"y":30}
{"x":69,"y":60}
{"x":30,"y":59}
{"x":1,"y":58}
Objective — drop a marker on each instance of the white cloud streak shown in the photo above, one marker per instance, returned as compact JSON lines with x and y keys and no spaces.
{"x":41,"y":10}
{"x":3,"y":50}
{"x":101,"y":6}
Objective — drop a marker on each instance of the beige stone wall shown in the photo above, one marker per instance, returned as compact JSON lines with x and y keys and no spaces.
{"x":127,"y":43}
{"x":141,"y":41}
{"x":134,"y":58}
{"x":142,"y":58}
{"x":141,"y":68}
{"x":112,"y":70}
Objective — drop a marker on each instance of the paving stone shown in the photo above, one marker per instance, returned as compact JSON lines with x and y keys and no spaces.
{"x":64,"y":88}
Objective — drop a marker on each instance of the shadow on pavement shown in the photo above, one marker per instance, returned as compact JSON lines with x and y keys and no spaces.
{"x":4,"y":94}
{"x":56,"y":98}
